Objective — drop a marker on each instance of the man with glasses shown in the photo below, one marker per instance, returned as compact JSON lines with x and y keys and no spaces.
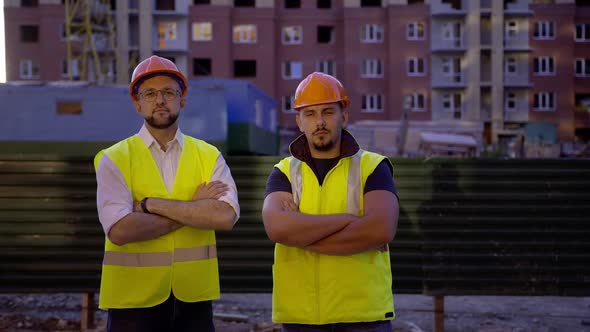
{"x":160,"y":197}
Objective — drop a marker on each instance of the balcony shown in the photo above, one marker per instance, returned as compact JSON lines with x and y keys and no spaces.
{"x":443,"y":114}
{"x":517,"y":8}
{"x":518,"y":115}
{"x":439,"y":8}
{"x":170,"y":8}
{"x":165,"y":13}
{"x":449,"y":45}
{"x":447,"y":35}
{"x":162,"y":46}
{"x":170,"y":35}
{"x":455,"y":80}
{"x":132,"y":8}
{"x":516,"y":81}
{"x":517,"y":45}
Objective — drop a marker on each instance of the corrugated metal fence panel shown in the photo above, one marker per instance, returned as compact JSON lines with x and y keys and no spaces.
{"x":406,"y":248}
{"x":50,"y":238}
{"x":245,"y":253}
{"x":466,"y":227}
{"x":506,"y":227}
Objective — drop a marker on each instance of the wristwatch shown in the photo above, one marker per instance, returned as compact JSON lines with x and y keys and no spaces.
{"x":143,"y":205}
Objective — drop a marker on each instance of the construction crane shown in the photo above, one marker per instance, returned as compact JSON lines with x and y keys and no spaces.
{"x":90,"y":36}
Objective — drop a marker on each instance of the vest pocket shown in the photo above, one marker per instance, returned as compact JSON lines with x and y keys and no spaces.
{"x":128,"y":287}
{"x":353,"y":290}
{"x":196,"y":280}
{"x":294,"y":298}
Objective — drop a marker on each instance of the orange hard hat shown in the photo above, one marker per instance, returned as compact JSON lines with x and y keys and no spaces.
{"x":319,"y":88}
{"x":152,"y":66}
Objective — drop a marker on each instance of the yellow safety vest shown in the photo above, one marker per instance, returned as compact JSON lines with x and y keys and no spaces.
{"x":141,"y":274}
{"x":312,"y":288}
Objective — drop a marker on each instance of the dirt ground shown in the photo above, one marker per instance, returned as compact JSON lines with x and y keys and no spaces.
{"x":252,"y":313}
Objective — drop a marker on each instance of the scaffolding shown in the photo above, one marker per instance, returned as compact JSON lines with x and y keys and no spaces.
{"x":90,"y":35}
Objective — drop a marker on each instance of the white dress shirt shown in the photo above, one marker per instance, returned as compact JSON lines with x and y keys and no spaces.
{"x":113,"y":197}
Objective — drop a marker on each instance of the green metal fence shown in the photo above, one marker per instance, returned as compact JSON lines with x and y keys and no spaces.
{"x":506,"y":227}
{"x":466,"y":227}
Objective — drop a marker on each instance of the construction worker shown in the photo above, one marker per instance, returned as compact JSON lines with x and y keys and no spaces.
{"x":161,"y":195}
{"x":331,"y":208}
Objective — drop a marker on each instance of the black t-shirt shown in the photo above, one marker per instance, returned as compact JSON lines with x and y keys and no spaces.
{"x":380,"y":179}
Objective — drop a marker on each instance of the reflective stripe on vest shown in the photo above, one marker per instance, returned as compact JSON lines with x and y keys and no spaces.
{"x":296,"y":179}
{"x":146,"y":259}
{"x":353,"y":197}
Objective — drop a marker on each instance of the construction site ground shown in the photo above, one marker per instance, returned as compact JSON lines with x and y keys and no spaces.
{"x":252,"y":312}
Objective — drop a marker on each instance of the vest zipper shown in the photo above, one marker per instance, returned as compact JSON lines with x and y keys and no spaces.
{"x":317,"y":256}
{"x":317,"y":286}
{"x":172,"y":265}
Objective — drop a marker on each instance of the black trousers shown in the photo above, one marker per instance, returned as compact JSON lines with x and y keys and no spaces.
{"x":173,"y":315}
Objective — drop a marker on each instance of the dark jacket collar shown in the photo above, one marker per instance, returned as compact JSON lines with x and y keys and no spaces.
{"x":299,"y":148}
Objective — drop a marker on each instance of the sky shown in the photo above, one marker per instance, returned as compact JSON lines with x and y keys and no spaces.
{"x":2,"y":47}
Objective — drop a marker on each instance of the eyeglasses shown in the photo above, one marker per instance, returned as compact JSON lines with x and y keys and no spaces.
{"x":151,"y":94}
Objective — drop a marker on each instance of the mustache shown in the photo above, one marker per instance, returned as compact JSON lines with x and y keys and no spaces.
{"x":320,"y":129}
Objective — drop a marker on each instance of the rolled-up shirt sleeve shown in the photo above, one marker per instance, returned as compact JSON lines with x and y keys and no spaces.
{"x":113,"y":198}
{"x":222,"y":173}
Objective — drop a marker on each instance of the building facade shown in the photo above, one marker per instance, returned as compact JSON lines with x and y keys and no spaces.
{"x":490,"y":66}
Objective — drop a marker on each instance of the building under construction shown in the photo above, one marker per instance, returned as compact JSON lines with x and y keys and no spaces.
{"x":495,"y":70}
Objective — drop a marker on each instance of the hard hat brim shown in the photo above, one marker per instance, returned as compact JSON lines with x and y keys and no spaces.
{"x":343,"y":102}
{"x":148,"y":75}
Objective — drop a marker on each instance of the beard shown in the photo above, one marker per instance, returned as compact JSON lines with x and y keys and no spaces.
{"x":162,"y":125}
{"x":326,"y":146}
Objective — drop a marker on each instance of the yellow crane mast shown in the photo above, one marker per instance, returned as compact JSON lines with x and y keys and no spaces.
{"x":90,"y":37}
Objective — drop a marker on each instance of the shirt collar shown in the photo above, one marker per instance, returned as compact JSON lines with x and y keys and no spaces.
{"x":147,"y":138}
{"x":300,"y":149}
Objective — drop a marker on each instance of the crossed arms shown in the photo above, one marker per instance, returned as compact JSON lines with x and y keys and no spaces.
{"x":334,"y":234}
{"x":124,"y":221}
{"x":166,"y":215}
